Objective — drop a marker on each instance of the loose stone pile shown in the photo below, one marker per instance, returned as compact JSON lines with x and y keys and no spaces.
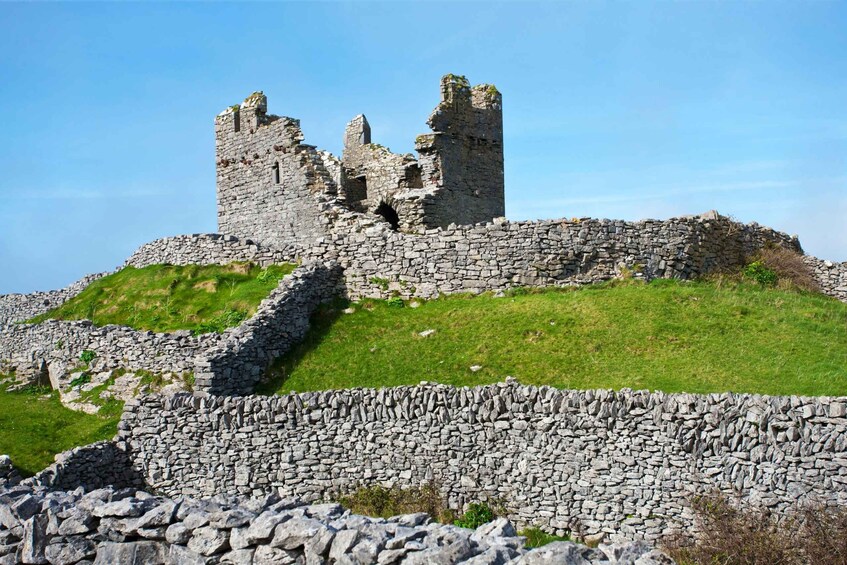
{"x":131,"y":527}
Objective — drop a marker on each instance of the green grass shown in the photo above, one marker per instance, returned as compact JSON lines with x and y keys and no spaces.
{"x":667,"y":335}
{"x":536,"y":537}
{"x":165,"y":298}
{"x":34,"y":426}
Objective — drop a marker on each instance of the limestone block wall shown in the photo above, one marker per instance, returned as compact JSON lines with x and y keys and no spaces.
{"x":238,"y":361}
{"x":623,"y":462}
{"x":21,"y":307}
{"x":205,"y":249}
{"x":832,"y":277}
{"x":506,"y":254}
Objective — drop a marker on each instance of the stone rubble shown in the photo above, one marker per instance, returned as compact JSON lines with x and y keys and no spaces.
{"x":108,"y":526}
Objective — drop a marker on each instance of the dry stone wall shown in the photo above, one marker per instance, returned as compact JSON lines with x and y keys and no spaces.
{"x":205,"y":249}
{"x":832,"y":277}
{"x":236,"y":363}
{"x":623,"y":463}
{"x":499,"y":255}
{"x":20,"y":307}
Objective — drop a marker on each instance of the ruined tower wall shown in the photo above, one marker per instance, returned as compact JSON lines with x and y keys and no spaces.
{"x":462,"y":160}
{"x":266,"y":179}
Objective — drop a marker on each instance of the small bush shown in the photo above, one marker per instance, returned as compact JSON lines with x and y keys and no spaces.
{"x":395,"y":302}
{"x":757,"y":271}
{"x":476,"y":515}
{"x":753,"y":536}
{"x":383,"y":502}
{"x":789,"y":268}
{"x":87,"y":356}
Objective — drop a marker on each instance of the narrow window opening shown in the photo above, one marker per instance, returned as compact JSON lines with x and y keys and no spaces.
{"x":390,"y":215}
{"x":276,"y":172}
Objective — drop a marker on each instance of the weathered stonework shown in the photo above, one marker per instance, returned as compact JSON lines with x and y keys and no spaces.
{"x":267,"y":179}
{"x":283,"y":193}
{"x":623,"y":463}
{"x":831,"y":277}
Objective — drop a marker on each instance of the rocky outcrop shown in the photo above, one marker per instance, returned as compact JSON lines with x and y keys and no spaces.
{"x":109,"y":526}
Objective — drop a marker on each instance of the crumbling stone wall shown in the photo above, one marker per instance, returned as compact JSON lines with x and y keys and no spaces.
{"x":622,"y":462}
{"x":131,"y":527}
{"x":462,"y":160}
{"x":266,"y":179}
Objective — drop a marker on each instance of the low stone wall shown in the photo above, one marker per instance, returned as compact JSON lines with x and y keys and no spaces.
{"x":205,"y":249}
{"x":54,"y":347}
{"x":236,"y":364}
{"x":832,"y":277}
{"x":98,"y":465}
{"x":21,"y":307}
{"x":499,"y":255}
{"x":128,"y":527}
{"x":623,"y":462}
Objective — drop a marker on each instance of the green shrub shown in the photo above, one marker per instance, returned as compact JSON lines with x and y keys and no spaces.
{"x":536,"y":537}
{"x":759,"y":272}
{"x":87,"y":356}
{"x":476,"y":515}
{"x":395,"y":302}
{"x":84,"y":378}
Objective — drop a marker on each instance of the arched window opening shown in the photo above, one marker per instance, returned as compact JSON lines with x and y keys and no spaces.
{"x":390,"y":215}
{"x":276,"y":172}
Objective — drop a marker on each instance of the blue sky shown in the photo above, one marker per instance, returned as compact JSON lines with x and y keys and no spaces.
{"x":614,"y":110}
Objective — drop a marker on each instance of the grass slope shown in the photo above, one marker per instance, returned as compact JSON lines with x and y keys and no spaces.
{"x":34,"y":426}
{"x":164,"y":298}
{"x":667,"y":335}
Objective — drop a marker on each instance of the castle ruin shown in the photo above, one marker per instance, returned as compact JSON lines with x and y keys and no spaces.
{"x":267,"y":179}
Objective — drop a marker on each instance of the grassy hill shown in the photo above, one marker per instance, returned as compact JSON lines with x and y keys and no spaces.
{"x":667,"y":335}
{"x":164,"y":298}
{"x":34,"y":426}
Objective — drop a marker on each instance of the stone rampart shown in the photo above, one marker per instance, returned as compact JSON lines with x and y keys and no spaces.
{"x":204,"y":249}
{"x":21,"y":307}
{"x":98,"y":465}
{"x":623,"y":462}
{"x":499,"y":255}
{"x":236,"y":364}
